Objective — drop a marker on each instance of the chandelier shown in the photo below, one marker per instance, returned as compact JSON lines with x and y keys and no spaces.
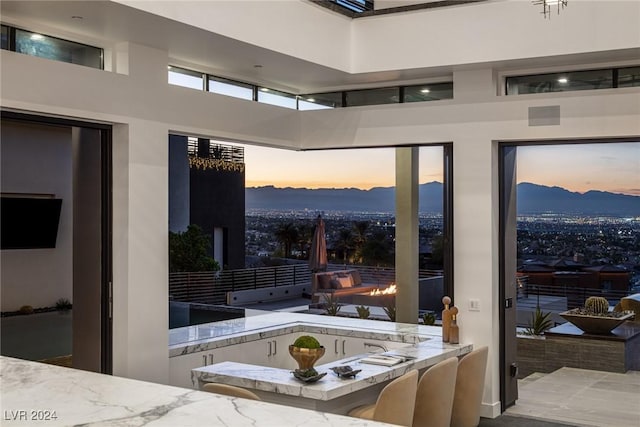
{"x":548,"y":4}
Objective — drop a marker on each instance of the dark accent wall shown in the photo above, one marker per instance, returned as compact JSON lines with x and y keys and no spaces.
{"x":217,"y":200}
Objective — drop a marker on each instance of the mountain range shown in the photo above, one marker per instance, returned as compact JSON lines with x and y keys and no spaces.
{"x":532,"y":199}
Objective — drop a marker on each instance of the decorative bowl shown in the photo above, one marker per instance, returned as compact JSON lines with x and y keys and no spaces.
{"x":306,"y":357}
{"x":597,"y":325}
{"x":345,"y":371}
{"x":303,"y":375}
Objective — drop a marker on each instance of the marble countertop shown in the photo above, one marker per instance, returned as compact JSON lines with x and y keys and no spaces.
{"x":191,"y":339}
{"x":32,"y":391}
{"x":281,"y":381}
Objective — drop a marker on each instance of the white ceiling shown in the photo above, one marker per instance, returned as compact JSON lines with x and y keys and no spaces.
{"x":106,"y":23}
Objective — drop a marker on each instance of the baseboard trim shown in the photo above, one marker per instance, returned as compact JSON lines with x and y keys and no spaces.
{"x":490,"y":410}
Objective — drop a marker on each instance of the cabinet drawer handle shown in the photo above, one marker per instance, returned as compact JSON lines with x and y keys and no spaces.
{"x":275,"y":348}
{"x":336,"y":346}
{"x":211,"y":359}
{"x":204,"y":360}
{"x":343,"y":341}
{"x":269,"y":348}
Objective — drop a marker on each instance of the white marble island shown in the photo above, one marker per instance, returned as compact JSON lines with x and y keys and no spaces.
{"x":35,"y":394}
{"x":272,"y":382}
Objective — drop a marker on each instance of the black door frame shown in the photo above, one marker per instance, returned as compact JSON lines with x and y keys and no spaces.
{"x":106,"y":139}
{"x":508,"y":370}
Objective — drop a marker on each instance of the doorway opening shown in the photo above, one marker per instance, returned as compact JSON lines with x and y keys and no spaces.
{"x":568,"y":227}
{"x":56,"y":268}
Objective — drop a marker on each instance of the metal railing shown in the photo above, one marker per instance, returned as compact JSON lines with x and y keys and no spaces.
{"x":575,"y":295}
{"x":210,"y":287}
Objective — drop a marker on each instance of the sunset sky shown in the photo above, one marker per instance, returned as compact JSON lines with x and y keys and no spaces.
{"x":606,"y":167}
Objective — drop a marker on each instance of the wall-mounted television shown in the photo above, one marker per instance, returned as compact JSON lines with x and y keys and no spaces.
{"x":29,"y":222}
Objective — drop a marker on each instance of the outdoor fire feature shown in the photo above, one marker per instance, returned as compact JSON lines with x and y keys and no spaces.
{"x":376,"y":297}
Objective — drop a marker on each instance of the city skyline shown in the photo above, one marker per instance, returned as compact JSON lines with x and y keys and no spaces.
{"x":577,"y":167}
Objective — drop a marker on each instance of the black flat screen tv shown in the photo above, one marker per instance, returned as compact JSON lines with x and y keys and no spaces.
{"x":29,"y":222}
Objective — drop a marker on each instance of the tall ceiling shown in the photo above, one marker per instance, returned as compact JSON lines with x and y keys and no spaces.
{"x":106,"y":23}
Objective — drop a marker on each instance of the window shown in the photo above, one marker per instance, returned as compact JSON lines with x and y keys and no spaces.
{"x":317,"y":101}
{"x":4,"y":40}
{"x":186,"y":78}
{"x":574,"y":80}
{"x":629,"y":77}
{"x":230,"y":88}
{"x":43,"y":46}
{"x":320,"y":101}
{"x":274,"y":97}
{"x":428,"y":92}
{"x":387,"y":95}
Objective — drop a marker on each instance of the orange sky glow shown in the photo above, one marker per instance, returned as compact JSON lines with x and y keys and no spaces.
{"x":583,"y":167}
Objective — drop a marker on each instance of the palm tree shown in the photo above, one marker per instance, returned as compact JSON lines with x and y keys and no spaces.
{"x":360,"y":229}
{"x":305,"y":235}
{"x":287,"y":235}
{"x":344,"y":243}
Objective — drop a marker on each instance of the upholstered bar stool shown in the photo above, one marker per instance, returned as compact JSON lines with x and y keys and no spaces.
{"x":469,"y":387}
{"x":230,"y":390}
{"x":395,"y":404}
{"x":434,"y":399}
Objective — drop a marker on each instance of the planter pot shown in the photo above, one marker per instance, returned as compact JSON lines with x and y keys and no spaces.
{"x":598,"y":325}
{"x":306,"y":357}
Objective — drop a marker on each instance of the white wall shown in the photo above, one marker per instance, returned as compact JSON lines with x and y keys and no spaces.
{"x":491,"y":31}
{"x":464,"y":34}
{"x":297,"y":28}
{"x":37,"y":159}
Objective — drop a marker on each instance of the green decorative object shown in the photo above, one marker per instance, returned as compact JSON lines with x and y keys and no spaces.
{"x":307,"y":341}
{"x":306,"y":350}
{"x":596,"y":305}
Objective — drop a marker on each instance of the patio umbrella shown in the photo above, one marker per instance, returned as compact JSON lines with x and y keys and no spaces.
{"x":318,"y":252}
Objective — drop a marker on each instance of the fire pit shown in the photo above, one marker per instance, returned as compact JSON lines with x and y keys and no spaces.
{"x":376,"y":297}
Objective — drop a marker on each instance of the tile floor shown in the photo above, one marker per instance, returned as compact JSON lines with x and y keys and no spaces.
{"x":581,"y":398}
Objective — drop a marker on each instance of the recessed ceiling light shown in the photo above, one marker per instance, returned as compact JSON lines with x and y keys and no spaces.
{"x":563,"y":80}
{"x":264,"y":89}
{"x":37,"y":37}
{"x":311,"y":100}
{"x":425,"y":91}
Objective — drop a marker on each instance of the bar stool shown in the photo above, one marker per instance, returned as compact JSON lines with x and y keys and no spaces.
{"x":395,"y":404}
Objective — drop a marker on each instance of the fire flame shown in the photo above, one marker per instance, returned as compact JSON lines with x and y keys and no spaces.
{"x":391,"y":290}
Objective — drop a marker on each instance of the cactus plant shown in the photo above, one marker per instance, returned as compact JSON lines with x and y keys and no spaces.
{"x":596,"y":305}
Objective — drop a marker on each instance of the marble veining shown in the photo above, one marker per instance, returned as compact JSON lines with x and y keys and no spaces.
{"x":81,"y":398}
{"x":281,"y":381}
{"x":198,"y":338}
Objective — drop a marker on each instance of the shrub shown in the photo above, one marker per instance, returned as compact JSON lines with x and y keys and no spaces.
{"x":539,"y":323}
{"x":63,"y":304}
{"x":363,"y":311}
{"x":429,"y":318}
{"x":26,"y":309}
{"x":331,"y":305}
{"x":390,"y":310}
